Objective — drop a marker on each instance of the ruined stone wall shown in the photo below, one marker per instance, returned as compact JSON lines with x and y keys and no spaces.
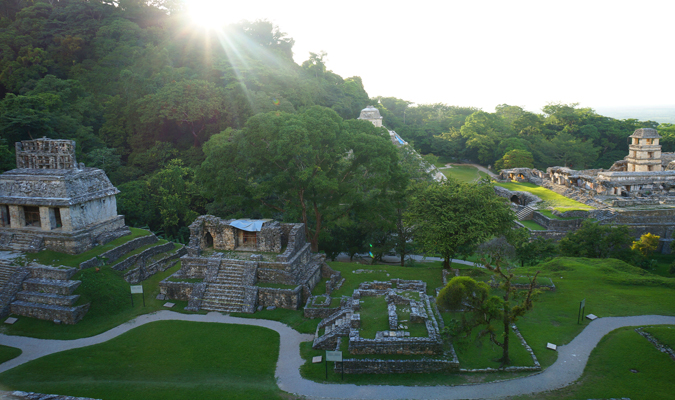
{"x":145,"y":254}
{"x":296,"y":241}
{"x":375,"y":366}
{"x":46,"y":272}
{"x":51,"y":312}
{"x":112,"y":255}
{"x":269,"y":237}
{"x":143,"y":272}
{"x":193,"y":267}
{"x":395,"y":345}
{"x":281,"y":298}
{"x":556,"y":224}
{"x":176,"y":290}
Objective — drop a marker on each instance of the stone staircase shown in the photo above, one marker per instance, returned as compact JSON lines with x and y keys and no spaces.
{"x":47,"y":294}
{"x":525,"y":213}
{"x":6,"y":271}
{"x":25,"y":243}
{"x":336,"y":325}
{"x":225,"y":292}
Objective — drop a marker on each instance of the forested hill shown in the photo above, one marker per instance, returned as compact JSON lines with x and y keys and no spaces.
{"x":142,"y":90}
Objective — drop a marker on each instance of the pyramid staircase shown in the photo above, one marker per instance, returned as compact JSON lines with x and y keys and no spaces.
{"x":22,"y":242}
{"x":225,"y":291}
{"x":338,"y":324}
{"x":47,"y":294}
{"x":6,"y":271}
{"x":525,"y":213}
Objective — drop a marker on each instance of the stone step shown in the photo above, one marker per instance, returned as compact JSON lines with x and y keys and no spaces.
{"x":49,"y":312}
{"x":50,"y":286}
{"x":47,"y":298}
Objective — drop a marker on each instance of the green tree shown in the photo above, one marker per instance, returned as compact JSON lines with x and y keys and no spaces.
{"x":515,"y":159}
{"x":646,"y":245}
{"x":176,"y":196}
{"x":312,"y":167}
{"x":593,"y":240}
{"x":485,"y":310}
{"x":453,"y":214}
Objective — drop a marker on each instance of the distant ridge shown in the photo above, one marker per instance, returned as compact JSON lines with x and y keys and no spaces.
{"x":660,"y":114}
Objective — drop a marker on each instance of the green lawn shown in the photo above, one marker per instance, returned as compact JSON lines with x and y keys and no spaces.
{"x":464,"y":173}
{"x":550,"y":198}
{"x":374,"y":316}
{"x":7,"y":353}
{"x":532,"y":225}
{"x":161,"y":360}
{"x":48,"y":257}
{"x":664,"y":261}
{"x":609,"y":372}
{"x":664,"y":334}
{"x":610,"y":287}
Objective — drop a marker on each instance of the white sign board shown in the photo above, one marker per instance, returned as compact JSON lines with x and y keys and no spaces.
{"x":551,"y":346}
{"x":334,"y":356}
{"x":136,"y":289}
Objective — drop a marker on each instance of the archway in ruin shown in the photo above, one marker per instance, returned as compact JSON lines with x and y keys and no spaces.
{"x":515,"y":199}
{"x":208,"y":240}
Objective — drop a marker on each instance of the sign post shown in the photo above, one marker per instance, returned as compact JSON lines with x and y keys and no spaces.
{"x":137,"y":289}
{"x":335,"y":356}
{"x":582,"y":309}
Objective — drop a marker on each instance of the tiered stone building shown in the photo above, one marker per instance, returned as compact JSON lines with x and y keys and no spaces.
{"x":50,"y":201}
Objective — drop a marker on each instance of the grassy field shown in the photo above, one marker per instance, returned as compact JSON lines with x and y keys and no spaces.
{"x":161,"y":360}
{"x":664,"y":334}
{"x":7,"y":353}
{"x":550,"y":198}
{"x":624,"y":365}
{"x":532,"y":225}
{"x":610,"y":287}
{"x":464,"y":173}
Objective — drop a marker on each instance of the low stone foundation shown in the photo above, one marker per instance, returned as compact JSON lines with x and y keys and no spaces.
{"x":280,"y":298}
{"x":375,"y":366}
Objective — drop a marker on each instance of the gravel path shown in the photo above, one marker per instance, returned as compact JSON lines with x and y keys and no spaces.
{"x":568,"y":368}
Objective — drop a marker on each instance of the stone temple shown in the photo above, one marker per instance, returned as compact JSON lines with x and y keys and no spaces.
{"x":50,"y":201}
{"x":638,"y":191}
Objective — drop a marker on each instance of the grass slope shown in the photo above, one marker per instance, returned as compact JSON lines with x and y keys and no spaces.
{"x":551,"y":198}
{"x":464,"y":173}
{"x":610,"y":287}
{"x":7,"y":353}
{"x":161,"y":360}
{"x":608,"y":372}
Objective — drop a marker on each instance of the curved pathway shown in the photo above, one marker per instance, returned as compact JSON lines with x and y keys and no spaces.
{"x":568,"y":368}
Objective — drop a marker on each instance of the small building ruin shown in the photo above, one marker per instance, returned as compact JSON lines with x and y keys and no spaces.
{"x":243,"y":265}
{"x":51,"y":202}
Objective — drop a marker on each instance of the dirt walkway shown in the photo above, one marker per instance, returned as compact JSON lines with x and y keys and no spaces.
{"x":568,"y":368}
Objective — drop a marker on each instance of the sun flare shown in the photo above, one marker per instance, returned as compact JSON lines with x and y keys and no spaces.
{"x":210,"y":14}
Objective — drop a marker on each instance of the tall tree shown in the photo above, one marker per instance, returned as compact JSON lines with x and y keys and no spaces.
{"x":313,"y":167}
{"x":453,"y":214}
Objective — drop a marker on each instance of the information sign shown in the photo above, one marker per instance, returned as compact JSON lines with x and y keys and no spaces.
{"x":334,"y":356}
{"x":136,"y":289}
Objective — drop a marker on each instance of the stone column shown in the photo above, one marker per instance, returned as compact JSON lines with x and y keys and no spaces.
{"x":66,"y":223}
{"x":45,"y":221}
{"x":16,"y":218}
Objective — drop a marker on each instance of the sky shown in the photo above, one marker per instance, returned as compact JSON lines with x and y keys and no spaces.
{"x":485,"y":53}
